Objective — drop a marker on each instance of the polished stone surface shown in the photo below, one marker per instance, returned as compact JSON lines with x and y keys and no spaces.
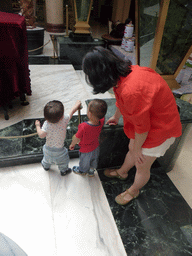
{"x":113,"y":142}
{"x":185,"y":111}
{"x":158,"y":222}
{"x":75,"y":51}
{"x":47,"y":214}
{"x":9,"y":247}
{"x":43,"y":60}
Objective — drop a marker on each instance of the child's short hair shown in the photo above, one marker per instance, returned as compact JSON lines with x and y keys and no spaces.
{"x":98,"y":108}
{"x":53,"y":111}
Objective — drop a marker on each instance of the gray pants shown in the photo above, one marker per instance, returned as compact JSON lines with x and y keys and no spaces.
{"x":88,"y":160}
{"x":58,"y":156}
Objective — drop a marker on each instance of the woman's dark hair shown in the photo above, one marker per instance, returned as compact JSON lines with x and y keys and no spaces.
{"x":53,"y":111}
{"x":103,"y":69}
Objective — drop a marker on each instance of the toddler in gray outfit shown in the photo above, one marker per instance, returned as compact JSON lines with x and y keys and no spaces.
{"x":54,"y":129}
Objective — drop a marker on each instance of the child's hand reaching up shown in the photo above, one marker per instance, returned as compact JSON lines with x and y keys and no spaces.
{"x":37,"y":123}
{"x":78,"y":104}
{"x":75,"y":108}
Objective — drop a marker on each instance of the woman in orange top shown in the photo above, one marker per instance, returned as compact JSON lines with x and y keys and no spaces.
{"x":150,"y":114}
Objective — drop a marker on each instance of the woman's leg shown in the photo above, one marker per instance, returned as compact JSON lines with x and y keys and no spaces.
{"x":142,"y":176}
{"x":128,"y":163}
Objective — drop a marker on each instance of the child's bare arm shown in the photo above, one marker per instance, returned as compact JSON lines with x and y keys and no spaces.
{"x":75,"y":108}
{"x":74,"y":142}
{"x":41,"y":133}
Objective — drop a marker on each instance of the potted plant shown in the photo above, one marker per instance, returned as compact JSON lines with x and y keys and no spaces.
{"x":35,"y":34}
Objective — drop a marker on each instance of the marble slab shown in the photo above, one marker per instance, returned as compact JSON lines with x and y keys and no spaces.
{"x":158,"y":222}
{"x":75,"y":51}
{"x":84,"y":224}
{"x":47,"y":214}
{"x":8,"y":247}
{"x":26,"y":215}
{"x":113,"y":142}
{"x":185,"y":111}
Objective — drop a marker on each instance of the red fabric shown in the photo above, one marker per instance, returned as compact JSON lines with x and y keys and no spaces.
{"x":14,"y":72}
{"x":147,"y":104}
{"x":89,"y":136}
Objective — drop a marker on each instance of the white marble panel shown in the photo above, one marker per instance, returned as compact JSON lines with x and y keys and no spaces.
{"x":50,"y":82}
{"x":84,"y":224}
{"x":26,"y":213}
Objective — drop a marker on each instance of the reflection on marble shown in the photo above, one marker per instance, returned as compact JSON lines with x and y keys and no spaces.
{"x":113,"y":147}
{"x":153,"y":223}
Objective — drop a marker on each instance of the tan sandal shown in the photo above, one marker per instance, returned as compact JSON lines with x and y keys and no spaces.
{"x":118,"y":176}
{"x":120,"y":198}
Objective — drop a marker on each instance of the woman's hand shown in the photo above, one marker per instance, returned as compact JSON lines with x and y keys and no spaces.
{"x":139,"y":157}
{"x":71,"y":147}
{"x":115,"y":118}
{"x":139,"y":140}
{"x":112,"y":121}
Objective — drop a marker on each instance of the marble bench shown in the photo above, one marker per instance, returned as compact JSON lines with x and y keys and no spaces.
{"x":113,"y":142}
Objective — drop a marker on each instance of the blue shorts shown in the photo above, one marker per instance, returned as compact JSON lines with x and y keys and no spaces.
{"x":58,"y":156}
{"x":88,"y":160}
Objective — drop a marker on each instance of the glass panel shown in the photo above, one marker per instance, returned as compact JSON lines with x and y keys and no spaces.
{"x":177,"y":36}
{"x":82,"y":9}
{"x":149,"y":12}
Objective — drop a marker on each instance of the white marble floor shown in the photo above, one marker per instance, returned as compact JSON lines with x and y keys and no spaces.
{"x":47,"y":214}
{"x":43,"y":212}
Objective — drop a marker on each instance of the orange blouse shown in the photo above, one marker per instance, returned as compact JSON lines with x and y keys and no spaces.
{"x":147,"y":104}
